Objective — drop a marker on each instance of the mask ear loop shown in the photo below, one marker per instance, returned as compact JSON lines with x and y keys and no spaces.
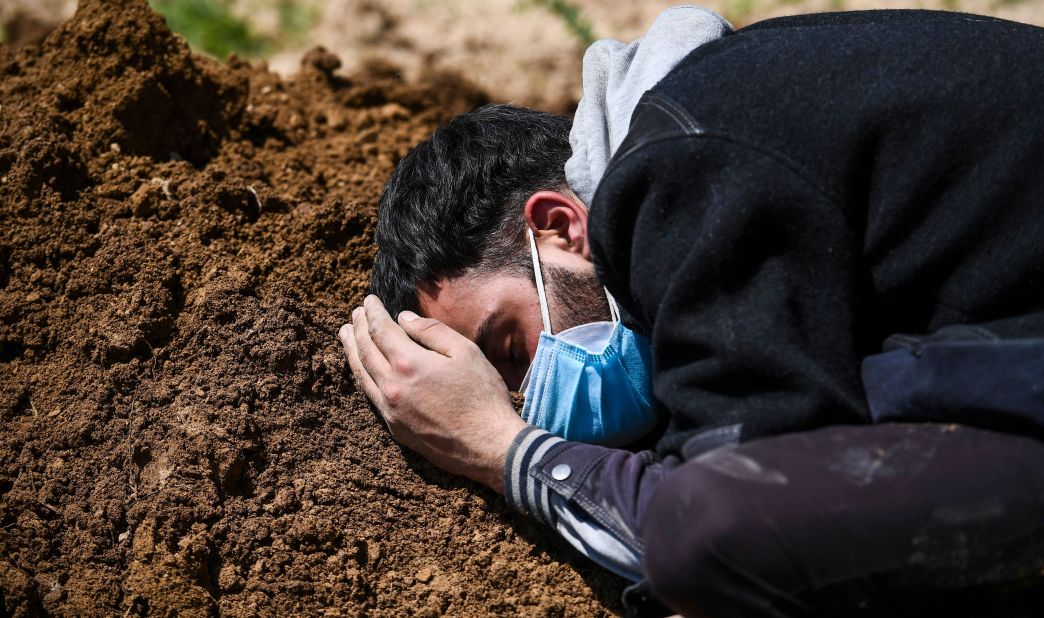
{"x":545,"y":315}
{"x":614,"y":309}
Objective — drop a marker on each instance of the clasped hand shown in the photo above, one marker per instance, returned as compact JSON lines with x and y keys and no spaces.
{"x":435,"y":390}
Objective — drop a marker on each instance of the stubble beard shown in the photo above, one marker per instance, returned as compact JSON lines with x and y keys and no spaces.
{"x":576,"y":298}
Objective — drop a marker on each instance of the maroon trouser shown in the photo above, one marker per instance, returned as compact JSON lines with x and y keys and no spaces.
{"x":885,"y":520}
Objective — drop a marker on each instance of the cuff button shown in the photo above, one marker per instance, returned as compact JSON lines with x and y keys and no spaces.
{"x":561,"y":472}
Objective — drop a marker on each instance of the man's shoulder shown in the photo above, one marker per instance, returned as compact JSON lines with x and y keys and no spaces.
{"x":860,"y":47}
{"x":824,"y":90}
{"x":870,"y":18}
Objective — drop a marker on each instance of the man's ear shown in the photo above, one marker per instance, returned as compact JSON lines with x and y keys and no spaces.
{"x":560,"y":219}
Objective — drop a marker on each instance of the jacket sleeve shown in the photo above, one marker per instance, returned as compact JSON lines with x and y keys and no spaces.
{"x":744,"y":273}
{"x":593,"y":496}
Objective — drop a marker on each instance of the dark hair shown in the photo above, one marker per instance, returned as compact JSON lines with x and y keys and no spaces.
{"x":454,"y":203}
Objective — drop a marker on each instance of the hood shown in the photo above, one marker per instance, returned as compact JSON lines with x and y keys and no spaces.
{"x":615,"y":76}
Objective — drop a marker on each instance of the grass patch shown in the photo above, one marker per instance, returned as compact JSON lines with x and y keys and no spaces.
{"x":210,"y":26}
{"x":214,"y":28}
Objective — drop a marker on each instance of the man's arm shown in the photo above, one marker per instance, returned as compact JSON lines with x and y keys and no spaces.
{"x":442,"y":398}
{"x":594,"y":496}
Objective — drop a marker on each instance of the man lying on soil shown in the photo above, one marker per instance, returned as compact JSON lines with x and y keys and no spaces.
{"x":788,"y":200}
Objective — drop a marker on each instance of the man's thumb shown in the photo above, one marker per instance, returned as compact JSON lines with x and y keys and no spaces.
{"x":431,"y":333}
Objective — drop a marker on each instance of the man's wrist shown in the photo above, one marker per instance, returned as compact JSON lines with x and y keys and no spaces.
{"x":500,"y":445}
{"x":529,"y":447}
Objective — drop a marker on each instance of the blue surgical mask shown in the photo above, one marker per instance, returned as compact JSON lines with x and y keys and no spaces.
{"x":590,"y":383}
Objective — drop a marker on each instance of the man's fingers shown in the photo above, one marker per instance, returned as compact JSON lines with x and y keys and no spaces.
{"x":370,"y":356}
{"x":362,"y":379}
{"x":396,"y":346}
{"x":433,"y":334}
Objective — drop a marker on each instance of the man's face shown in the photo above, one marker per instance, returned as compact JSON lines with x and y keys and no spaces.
{"x":501,"y":313}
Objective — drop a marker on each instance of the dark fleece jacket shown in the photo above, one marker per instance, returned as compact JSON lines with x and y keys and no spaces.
{"x":794,"y":193}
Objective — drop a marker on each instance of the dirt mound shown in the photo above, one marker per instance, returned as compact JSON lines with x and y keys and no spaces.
{"x":178,"y":433}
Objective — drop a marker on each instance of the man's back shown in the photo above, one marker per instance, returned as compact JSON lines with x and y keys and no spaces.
{"x":818,"y":183}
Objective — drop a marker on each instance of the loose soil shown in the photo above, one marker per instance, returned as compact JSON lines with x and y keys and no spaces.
{"x":179,"y":433}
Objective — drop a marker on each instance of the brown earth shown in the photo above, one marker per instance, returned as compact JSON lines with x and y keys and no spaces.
{"x":178,"y":431}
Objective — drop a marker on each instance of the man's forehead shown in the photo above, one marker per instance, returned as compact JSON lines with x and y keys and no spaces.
{"x":441,"y":294}
{"x":457,"y":302}
{"x":466,"y":302}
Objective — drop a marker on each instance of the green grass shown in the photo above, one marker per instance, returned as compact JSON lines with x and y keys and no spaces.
{"x":212,"y":27}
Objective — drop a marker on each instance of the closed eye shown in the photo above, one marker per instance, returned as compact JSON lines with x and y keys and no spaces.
{"x":517,"y":362}
{"x":514,"y":354}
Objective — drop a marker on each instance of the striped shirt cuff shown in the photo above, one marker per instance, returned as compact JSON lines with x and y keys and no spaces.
{"x":521,"y":489}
